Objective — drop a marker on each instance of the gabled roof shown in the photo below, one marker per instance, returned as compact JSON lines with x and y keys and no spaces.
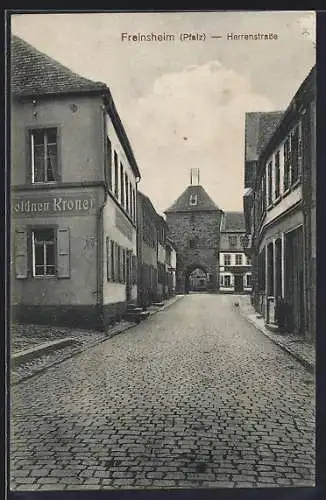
{"x":33,"y":73}
{"x":259,"y":127}
{"x":233,"y":222}
{"x":196,"y":192}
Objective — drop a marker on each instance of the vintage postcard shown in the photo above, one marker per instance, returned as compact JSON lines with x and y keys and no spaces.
{"x":163,"y":250}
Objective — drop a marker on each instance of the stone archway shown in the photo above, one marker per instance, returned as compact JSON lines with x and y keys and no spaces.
{"x":189,"y":271}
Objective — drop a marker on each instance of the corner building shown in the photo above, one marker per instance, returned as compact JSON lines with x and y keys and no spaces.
{"x":74,"y":183}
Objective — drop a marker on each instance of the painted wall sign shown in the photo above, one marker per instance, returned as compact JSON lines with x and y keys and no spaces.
{"x":54,"y":205}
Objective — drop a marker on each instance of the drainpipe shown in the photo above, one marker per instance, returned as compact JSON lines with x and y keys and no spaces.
{"x":100,"y":231}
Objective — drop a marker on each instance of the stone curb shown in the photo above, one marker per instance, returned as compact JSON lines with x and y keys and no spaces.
{"x":107,"y":336}
{"x":45,"y":348}
{"x":307,"y":364}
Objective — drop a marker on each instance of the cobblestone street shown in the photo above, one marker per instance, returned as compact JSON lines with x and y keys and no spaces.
{"x":194,"y":396}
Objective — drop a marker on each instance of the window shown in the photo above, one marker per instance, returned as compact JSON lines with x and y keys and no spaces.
{"x":47,"y":255}
{"x":108,"y":163}
{"x":287,"y":164}
{"x":227,"y":259}
{"x":248,"y":280}
{"x":116,"y":174}
{"x":122,"y":186}
{"x":108,"y":259}
{"x":295,"y":155}
{"x":193,"y":199}
{"x":248,"y":261}
{"x":44,"y":155}
{"x":270,"y":182}
{"x":112,"y":255}
{"x":193,"y":243}
{"x":127,"y":192}
{"x":130,"y":201}
{"x":277,"y":175}
{"x":43,"y":252}
{"x":238,"y":259}
{"x":227,"y":281}
{"x":123,"y":259}
{"x":263,"y":193}
{"x":233,"y":241}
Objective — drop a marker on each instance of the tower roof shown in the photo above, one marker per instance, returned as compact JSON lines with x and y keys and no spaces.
{"x":35,"y":73}
{"x":193,"y":199}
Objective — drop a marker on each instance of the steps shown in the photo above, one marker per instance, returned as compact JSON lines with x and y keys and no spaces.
{"x":135,"y":313}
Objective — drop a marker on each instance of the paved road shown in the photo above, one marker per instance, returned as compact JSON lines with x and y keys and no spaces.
{"x":193,"y":397}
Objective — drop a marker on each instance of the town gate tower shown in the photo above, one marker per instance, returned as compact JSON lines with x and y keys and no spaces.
{"x":194,"y":226}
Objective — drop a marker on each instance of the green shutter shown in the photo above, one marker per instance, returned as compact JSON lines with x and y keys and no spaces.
{"x":21,"y":254}
{"x":63,"y":253}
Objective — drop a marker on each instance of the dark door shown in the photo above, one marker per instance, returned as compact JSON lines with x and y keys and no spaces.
{"x":238,"y":283}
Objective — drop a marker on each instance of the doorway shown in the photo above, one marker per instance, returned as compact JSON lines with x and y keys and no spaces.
{"x":238,"y":283}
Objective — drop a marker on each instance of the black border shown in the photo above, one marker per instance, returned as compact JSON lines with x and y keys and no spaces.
{"x":252,"y":494}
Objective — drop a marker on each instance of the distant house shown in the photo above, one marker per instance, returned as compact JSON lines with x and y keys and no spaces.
{"x":280,"y":208}
{"x":74,"y":182}
{"x":234,"y":264}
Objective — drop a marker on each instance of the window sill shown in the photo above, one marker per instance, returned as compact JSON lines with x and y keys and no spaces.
{"x":44,"y":277}
{"x":296,"y":183}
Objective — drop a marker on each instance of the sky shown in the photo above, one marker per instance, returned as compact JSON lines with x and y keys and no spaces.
{"x":183,"y":103}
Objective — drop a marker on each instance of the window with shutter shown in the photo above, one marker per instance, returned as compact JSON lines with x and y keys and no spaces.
{"x":117,"y":262}
{"x":113,"y":273}
{"x":108,"y":259}
{"x":21,"y":255}
{"x":63,"y":253}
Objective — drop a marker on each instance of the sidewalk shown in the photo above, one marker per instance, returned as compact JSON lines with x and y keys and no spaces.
{"x":293,"y":344}
{"x":32,"y":338}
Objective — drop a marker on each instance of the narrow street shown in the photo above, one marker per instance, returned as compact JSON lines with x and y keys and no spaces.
{"x":195,"y":396}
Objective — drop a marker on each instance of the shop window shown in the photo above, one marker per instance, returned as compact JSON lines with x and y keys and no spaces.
{"x":248,"y":261}
{"x":238,"y":259}
{"x":227,"y":259}
{"x":44,"y":154}
{"x":248,"y":281}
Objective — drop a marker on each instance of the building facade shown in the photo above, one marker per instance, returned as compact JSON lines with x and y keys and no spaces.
{"x":280,"y":209}
{"x":194,"y":226}
{"x":234,"y":264}
{"x":74,"y":183}
{"x":147,"y":247}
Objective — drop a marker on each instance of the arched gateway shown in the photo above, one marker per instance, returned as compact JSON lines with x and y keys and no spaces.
{"x":194,"y":226}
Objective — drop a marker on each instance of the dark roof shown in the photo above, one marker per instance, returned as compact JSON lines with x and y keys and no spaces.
{"x":259,"y":127}
{"x":204,"y":202}
{"x":34,"y":73}
{"x":233,"y":222}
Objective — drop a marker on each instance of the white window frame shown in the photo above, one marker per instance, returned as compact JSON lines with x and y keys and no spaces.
{"x":45,"y":181}
{"x":44,"y":256}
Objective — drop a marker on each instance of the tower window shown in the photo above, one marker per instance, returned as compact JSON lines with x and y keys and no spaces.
{"x":193,"y":199}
